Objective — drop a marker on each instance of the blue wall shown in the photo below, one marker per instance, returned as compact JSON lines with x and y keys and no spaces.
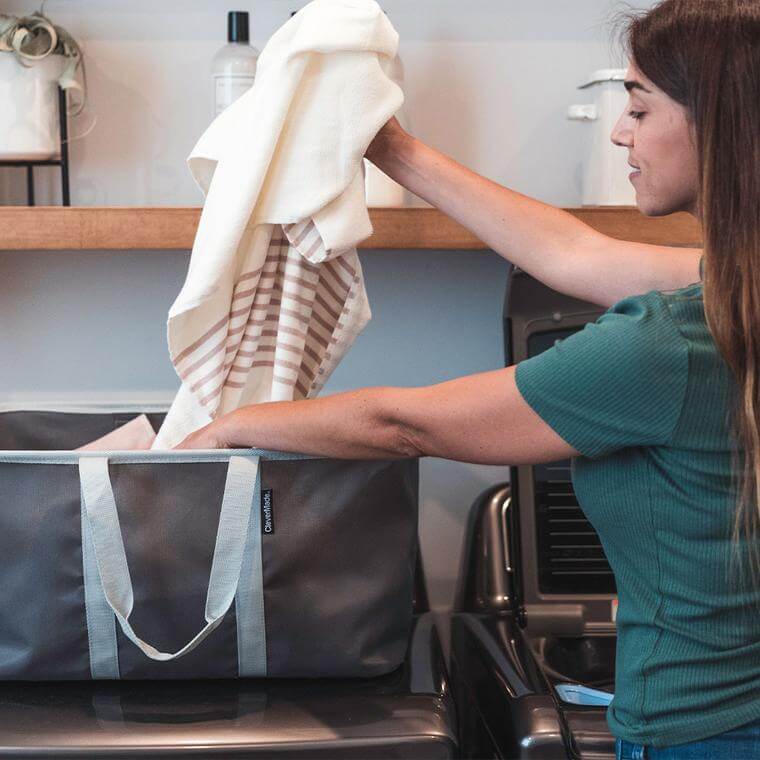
{"x":89,"y":327}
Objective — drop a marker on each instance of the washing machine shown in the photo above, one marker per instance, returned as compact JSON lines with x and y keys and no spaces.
{"x":533,"y":626}
{"x":405,"y":714}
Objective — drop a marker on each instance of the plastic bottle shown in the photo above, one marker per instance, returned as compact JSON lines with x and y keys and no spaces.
{"x":234,"y":65}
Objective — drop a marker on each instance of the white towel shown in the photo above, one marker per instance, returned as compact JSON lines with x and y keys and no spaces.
{"x":274,"y":295}
{"x":137,"y":434}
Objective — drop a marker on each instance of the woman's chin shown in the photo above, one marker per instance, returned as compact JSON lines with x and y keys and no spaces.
{"x":649,"y":207}
{"x":644,"y":207}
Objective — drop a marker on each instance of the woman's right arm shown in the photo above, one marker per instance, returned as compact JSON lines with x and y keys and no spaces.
{"x":545,"y":241}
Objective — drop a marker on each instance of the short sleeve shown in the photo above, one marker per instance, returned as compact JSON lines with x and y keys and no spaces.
{"x":619,"y":382}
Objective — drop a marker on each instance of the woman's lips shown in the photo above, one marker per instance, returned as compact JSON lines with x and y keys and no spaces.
{"x":633,"y":175}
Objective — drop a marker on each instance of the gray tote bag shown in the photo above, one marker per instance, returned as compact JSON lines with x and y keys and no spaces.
{"x":197,"y":563}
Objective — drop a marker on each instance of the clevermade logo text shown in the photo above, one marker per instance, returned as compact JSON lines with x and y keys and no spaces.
{"x":267,"y":511}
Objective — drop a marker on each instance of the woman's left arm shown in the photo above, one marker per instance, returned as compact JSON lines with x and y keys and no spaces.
{"x":479,"y":418}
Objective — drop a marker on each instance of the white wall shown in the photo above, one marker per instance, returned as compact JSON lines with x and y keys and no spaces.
{"x":487,"y":82}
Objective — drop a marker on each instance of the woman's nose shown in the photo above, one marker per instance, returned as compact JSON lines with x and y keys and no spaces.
{"x":622,"y":134}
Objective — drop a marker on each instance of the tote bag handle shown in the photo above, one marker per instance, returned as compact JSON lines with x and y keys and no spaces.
{"x":103,"y":524}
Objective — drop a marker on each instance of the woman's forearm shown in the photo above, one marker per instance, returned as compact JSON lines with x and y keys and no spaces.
{"x":545,"y":241}
{"x":529,"y":233}
{"x":351,"y":425}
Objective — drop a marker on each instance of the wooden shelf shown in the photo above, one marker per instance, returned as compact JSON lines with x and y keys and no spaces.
{"x":173,"y":228}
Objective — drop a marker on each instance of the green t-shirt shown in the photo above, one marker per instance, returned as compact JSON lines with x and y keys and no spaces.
{"x":644,"y":395}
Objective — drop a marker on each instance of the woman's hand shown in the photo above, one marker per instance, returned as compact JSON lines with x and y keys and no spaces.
{"x":209,"y":437}
{"x":381,"y":145}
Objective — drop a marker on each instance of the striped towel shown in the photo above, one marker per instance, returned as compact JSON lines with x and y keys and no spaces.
{"x":274,"y":295}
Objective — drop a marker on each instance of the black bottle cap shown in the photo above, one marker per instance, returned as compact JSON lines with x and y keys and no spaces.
{"x":237,"y":26}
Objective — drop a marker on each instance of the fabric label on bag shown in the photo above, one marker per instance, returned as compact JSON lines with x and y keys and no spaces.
{"x":267,"y":511}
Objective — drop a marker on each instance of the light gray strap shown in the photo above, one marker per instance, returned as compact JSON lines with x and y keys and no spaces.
{"x":249,"y":600}
{"x":101,"y":623}
{"x":111,"y":559}
{"x":149,"y":456}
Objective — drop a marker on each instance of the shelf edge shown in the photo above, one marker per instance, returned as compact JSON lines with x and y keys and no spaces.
{"x":173,"y":228}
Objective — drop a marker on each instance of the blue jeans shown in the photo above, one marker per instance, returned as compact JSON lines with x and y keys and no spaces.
{"x":741,"y":743}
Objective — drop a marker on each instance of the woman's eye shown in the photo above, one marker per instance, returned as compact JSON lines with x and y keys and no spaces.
{"x":636,"y":114}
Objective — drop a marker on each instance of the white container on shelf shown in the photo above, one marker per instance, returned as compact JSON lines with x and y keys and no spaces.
{"x":380,"y":189}
{"x":234,"y":65}
{"x":29,"y":108}
{"x":605,"y":167}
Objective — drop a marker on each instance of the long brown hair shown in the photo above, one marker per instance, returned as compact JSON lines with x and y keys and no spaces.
{"x":705,"y":55}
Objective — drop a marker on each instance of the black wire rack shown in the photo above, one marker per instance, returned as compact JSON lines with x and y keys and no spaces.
{"x":63,"y":161}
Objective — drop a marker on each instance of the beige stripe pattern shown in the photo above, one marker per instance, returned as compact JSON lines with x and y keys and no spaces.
{"x":294,"y":310}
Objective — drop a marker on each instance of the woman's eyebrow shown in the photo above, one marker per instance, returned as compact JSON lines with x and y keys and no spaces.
{"x":632,"y":84}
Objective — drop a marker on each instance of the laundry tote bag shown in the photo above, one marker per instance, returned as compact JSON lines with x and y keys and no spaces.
{"x":197,"y":563}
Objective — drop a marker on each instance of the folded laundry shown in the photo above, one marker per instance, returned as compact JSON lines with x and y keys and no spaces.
{"x":137,"y":434}
{"x":274,"y":294}
{"x":577,"y":694}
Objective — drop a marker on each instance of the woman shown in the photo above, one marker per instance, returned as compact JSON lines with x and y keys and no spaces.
{"x":658,"y":402}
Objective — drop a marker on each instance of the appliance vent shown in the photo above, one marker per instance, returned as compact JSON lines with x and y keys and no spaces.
{"x":571,"y":559}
